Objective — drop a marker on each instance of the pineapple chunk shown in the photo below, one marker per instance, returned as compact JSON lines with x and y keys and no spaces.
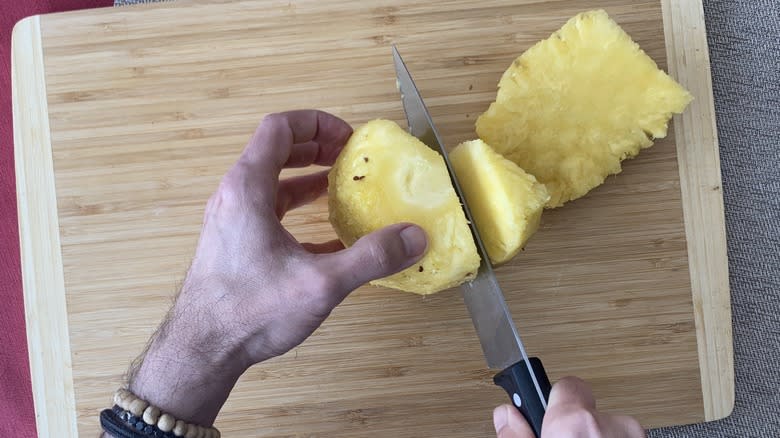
{"x":573,"y":106}
{"x":506,"y":203}
{"x":385,"y":176}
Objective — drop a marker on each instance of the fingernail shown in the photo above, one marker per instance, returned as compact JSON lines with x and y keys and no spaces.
{"x":414,"y":240}
{"x":500,"y":418}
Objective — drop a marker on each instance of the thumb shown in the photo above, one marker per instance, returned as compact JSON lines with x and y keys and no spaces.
{"x":510,"y":424}
{"x":379,"y":254}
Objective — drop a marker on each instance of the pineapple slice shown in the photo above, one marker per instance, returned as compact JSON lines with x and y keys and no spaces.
{"x":385,"y":176}
{"x":506,"y":203}
{"x":573,"y":106}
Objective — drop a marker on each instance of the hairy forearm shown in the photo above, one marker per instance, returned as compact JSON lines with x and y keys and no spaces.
{"x":191,"y":364}
{"x":187,"y":378}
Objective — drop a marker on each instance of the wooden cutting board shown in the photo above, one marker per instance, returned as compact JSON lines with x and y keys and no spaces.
{"x":125,"y":119}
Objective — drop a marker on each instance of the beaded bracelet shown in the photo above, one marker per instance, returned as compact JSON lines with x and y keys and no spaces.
{"x":138,"y":413}
{"x":122,"y":424}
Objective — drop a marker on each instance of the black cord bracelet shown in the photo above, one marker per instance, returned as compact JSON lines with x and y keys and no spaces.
{"x":123,"y":424}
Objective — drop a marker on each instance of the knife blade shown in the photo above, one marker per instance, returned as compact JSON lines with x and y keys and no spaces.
{"x":522,"y":377}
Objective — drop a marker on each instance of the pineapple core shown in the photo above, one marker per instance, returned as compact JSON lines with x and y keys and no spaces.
{"x":573,"y":106}
{"x":385,"y":176}
{"x":505,"y":202}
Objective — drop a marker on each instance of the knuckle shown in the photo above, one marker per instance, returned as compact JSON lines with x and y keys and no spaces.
{"x":273,"y":119}
{"x":229,"y":193}
{"x":324,"y":282}
{"x":634,"y":429}
{"x":381,"y":256}
{"x":321,"y":279}
{"x":584,"y":420}
{"x":321,"y":286}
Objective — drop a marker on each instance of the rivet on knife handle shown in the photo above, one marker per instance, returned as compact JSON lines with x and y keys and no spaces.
{"x":517,"y":382}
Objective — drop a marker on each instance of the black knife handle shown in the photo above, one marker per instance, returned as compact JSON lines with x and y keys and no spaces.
{"x":517,"y":382}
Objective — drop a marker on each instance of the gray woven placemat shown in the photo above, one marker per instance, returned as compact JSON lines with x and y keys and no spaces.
{"x":744,"y":40}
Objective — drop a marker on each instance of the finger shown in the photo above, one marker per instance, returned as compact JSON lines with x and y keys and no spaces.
{"x":571,"y":391}
{"x":323,"y":248}
{"x":621,"y":426}
{"x":303,"y":154}
{"x":300,"y":190}
{"x":510,"y":424}
{"x":273,"y":142}
{"x":376,"y":255}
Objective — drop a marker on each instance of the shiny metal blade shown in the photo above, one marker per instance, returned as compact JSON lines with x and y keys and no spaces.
{"x":497,"y":333}
{"x":418,"y":119}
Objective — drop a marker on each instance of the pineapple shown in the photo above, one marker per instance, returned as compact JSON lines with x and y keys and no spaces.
{"x":573,"y":106}
{"x":506,"y":203}
{"x":385,"y":176}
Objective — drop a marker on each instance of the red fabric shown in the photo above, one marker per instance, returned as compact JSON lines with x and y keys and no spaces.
{"x":17,"y":417}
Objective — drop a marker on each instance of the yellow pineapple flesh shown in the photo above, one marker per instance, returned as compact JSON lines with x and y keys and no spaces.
{"x":573,"y":106}
{"x":506,"y":203}
{"x":385,"y":176}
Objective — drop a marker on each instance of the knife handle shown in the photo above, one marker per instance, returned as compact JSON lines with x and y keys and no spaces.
{"x":518,"y":383}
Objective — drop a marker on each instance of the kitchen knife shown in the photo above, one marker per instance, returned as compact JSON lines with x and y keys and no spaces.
{"x":523,"y":378}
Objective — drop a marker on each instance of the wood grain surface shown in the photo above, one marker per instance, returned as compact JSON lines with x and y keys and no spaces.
{"x":148,"y":106}
{"x":46,"y":318}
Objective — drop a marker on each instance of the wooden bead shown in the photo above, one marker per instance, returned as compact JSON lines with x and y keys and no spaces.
{"x":151,"y":415}
{"x":123,"y":398}
{"x":216,"y":433}
{"x":202,"y":431}
{"x":180,"y":429}
{"x":210,"y":433}
{"x":118,"y":397}
{"x":192,"y":431}
{"x":166,"y":422}
{"x":138,"y":406}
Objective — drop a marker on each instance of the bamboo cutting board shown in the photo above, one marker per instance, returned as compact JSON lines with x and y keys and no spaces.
{"x":125,"y":119}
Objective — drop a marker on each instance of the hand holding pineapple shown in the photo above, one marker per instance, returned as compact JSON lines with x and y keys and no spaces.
{"x":253,"y":291}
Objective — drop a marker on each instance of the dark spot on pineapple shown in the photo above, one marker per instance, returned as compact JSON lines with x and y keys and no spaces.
{"x":365,"y":159}
{"x":358,"y":178}
{"x":420,"y":269}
